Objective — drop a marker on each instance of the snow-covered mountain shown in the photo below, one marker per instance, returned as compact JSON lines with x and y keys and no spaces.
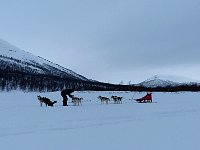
{"x":14,"y":58}
{"x":167,"y":80}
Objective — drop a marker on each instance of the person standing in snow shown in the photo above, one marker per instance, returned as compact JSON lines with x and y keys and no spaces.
{"x":64,"y":94}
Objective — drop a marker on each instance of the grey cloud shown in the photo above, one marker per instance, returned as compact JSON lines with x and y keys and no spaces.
{"x":112,"y":39}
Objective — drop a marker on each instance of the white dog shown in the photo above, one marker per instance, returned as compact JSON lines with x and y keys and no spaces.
{"x":103,"y":99}
{"x":76,"y":101}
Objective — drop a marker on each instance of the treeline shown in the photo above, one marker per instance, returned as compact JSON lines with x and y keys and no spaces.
{"x":16,"y":77}
{"x":14,"y":80}
{"x":44,"y":83}
{"x":185,"y":87}
{"x":31,"y":76}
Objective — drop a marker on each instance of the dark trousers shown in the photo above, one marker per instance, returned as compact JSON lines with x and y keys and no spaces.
{"x":64,"y":100}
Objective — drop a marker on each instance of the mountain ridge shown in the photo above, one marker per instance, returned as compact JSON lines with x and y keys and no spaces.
{"x":22,"y":70}
{"x":35,"y":64}
{"x":167,"y":80}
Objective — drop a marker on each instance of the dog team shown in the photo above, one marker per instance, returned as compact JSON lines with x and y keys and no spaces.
{"x":76,"y":100}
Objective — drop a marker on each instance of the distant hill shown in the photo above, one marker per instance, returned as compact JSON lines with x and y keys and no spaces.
{"x":24,"y":71}
{"x":167,"y":80}
{"x":21,"y":70}
{"x":168,"y":83}
{"x":15,"y":59}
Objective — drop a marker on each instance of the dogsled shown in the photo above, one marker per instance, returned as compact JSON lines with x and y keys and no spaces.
{"x":146,"y":99}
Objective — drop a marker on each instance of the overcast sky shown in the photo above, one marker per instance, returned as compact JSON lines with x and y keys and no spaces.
{"x":108,"y":40}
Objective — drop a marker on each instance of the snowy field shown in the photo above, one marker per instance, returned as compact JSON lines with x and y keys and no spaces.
{"x":172,"y":122}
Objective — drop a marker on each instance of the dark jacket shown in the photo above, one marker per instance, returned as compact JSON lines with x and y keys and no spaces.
{"x":67,"y":92}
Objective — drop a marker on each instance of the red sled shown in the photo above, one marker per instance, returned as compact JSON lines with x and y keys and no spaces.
{"x":146,"y":99}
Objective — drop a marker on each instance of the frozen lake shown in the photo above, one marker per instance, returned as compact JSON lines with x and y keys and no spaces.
{"x":171,"y":122}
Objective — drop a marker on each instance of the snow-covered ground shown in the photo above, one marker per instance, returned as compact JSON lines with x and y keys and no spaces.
{"x":172,"y":122}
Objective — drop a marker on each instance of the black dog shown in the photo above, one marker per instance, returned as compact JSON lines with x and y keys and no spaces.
{"x":45,"y":100}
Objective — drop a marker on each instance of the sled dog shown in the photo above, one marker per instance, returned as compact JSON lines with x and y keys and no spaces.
{"x":103,"y":99}
{"x":116,"y":99}
{"x":46,"y":101}
{"x":76,"y":101}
